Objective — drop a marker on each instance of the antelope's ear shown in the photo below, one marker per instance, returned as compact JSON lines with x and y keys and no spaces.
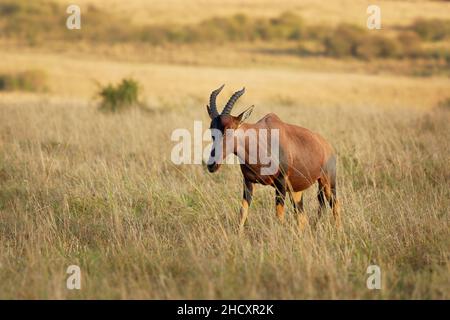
{"x":244,"y":115}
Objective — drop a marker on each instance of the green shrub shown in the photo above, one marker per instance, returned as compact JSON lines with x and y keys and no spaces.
{"x":288,"y":26}
{"x":432,"y":29}
{"x":445,"y":104}
{"x":31,"y":80}
{"x":236,"y":28}
{"x":370,"y":47}
{"x":220,"y":29}
{"x":344,"y":41}
{"x":38,"y":21}
{"x":410,"y":44}
{"x":318,"y":32}
{"x":43,"y":20}
{"x":29,"y":19}
{"x":154,"y":35}
{"x":122,"y":96}
{"x":348,"y":40}
{"x":438,"y":54}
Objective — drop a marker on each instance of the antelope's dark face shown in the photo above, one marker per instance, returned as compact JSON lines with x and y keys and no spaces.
{"x":222,"y":133}
{"x":222,"y":128}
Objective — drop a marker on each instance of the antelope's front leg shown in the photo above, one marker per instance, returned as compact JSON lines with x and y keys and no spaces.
{"x":280,"y":196}
{"x":246,"y":200}
{"x":302,"y":218}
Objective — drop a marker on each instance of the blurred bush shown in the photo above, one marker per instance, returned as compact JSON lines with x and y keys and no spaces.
{"x":377,"y":47}
{"x":432,"y":29}
{"x":287,"y":26}
{"x":445,"y":104}
{"x":318,"y":32}
{"x":38,"y":21}
{"x":27,"y":18}
{"x":348,"y":40}
{"x":120,"y":97}
{"x":31,"y":80}
{"x":236,"y":28}
{"x":410,"y":43}
{"x":344,"y":41}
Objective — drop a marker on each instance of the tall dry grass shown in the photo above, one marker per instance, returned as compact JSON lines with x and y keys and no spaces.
{"x":98,"y":190}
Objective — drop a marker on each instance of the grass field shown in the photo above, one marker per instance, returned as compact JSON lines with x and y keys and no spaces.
{"x":83,"y":187}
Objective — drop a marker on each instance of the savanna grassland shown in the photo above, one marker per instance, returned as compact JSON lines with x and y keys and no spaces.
{"x":99,"y":190}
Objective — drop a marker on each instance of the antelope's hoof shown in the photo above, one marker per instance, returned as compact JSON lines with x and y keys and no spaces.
{"x":338,"y":224}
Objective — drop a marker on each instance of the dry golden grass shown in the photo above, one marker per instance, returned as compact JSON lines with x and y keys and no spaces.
{"x":335,"y":84}
{"x":81,"y":187}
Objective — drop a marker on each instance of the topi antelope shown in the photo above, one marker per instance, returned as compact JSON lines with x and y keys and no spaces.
{"x":304,"y":157}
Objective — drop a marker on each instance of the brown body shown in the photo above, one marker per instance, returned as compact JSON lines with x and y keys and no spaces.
{"x":303,"y":155}
{"x":305,"y":158}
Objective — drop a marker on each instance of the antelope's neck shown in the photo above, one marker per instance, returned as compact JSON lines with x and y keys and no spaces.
{"x":240,"y":143}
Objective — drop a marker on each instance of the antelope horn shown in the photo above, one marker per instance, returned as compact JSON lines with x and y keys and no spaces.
{"x":212,"y":102}
{"x":230,"y":104}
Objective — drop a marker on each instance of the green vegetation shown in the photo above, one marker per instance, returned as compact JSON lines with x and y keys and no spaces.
{"x":29,"y":20}
{"x":37,"y":22}
{"x":30,"y":80}
{"x":348,"y":40}
{"x":432,"y":29}
{"x":445,"y":104}
{"x":120,"y":97}
{"x":40,"y":21}
{"x":239,"y":28}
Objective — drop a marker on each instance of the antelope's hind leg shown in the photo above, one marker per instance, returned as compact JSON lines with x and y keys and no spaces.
{"x":328,"y":186}
{"x":246,"y":201}
{"x":297,"y":200}
{"x":280,"y":196}
{"x":334,"y":204}
{"x":321,"y":198}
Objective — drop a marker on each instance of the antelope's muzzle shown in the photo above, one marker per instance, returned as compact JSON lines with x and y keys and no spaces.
{"x":213,"y":167}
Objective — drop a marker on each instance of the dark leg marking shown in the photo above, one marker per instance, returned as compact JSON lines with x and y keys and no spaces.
{"x":246,"y":201}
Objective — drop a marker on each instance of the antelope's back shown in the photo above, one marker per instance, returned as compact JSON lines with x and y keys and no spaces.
{"x":302,"y":152}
